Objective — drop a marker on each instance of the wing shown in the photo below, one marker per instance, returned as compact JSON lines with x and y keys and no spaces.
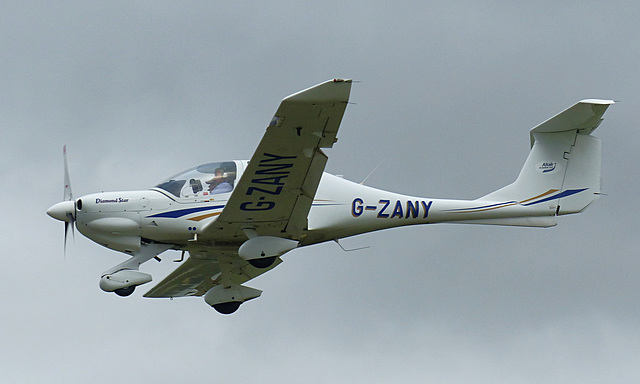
{"x":203,"y":270}
{"x":275,"y":193}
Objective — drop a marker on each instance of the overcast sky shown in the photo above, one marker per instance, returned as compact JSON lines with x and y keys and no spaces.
{"x":140,"y":90}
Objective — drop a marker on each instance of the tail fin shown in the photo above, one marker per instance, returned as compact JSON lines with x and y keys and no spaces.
{"x":563,"y":167}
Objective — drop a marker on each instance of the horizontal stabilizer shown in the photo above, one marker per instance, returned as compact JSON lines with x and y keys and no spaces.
{"x":584,"y":117}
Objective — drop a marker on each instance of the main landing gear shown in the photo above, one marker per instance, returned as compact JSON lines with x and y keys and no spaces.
{"x":125,"y":277}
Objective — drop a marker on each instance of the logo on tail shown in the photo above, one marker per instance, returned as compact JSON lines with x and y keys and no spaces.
{"x":547,"y":166}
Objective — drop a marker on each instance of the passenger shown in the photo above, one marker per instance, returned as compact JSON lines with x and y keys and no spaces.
{"x":219,"y":183}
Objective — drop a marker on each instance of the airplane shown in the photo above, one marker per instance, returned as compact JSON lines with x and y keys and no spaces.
{"x":237,"y":218}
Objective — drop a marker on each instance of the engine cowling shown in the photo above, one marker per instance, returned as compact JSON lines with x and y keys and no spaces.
{"x":119,"y":233}
{"x":123,"y":279}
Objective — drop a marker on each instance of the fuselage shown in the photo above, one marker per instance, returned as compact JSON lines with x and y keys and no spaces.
{"x":341,"y":208}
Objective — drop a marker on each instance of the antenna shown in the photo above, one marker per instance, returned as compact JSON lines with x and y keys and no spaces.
{"x":349,"y":250}
{"x":371,"y":173}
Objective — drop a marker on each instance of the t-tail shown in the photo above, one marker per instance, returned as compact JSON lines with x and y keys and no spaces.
{"x":562,"y":172}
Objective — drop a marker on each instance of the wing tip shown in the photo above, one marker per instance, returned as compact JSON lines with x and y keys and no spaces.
{"x":597,"y":101}
{"x":331,"y":90}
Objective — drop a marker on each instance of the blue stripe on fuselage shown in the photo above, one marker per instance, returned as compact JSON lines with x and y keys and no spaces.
{"x":187,"y":211}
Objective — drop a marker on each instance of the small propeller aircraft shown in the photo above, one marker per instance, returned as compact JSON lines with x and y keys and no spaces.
{"x":235,"y":219}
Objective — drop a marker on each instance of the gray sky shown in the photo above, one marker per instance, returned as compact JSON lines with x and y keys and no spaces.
{"x":140,"y":90}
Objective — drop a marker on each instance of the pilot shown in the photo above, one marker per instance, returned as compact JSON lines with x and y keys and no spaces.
{"x":219,"y":183}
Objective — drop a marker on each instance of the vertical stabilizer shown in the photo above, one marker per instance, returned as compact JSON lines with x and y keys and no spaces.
{"x":563,"y":167}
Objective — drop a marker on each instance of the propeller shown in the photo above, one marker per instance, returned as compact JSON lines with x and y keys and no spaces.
{"x":68,"y":196}
{"x":66,"y":209}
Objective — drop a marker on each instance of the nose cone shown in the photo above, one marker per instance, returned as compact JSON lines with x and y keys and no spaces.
{"x":62,"y":211}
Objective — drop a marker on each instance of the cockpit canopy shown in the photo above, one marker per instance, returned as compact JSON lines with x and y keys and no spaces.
{"x":203,"y":180}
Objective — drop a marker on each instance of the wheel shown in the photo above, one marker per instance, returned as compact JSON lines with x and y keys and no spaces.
{"x":227,"y":308}
{"x":125,"y":291}
{"x":262,"y":263}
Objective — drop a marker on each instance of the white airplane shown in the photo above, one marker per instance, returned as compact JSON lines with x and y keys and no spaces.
{"x":237,"y":218}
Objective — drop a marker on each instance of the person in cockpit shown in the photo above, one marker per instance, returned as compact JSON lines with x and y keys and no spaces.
{"x":219,"y":183}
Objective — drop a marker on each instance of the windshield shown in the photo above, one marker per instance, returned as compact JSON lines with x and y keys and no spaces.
{"x":203,"y":180}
